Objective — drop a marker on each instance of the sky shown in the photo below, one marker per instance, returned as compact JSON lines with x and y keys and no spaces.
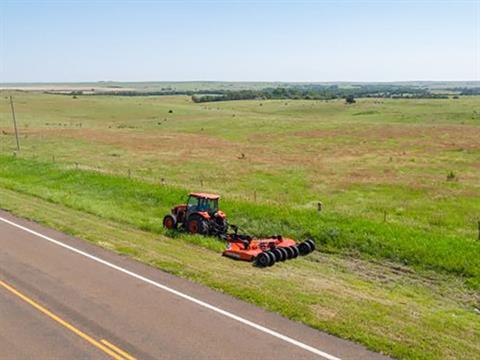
{"x":307,"y":41}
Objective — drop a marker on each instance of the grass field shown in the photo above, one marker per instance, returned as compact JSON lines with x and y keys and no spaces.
{"x":399,"y":267}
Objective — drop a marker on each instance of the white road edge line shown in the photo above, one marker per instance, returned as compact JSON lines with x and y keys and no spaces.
{"x":179,"y":294}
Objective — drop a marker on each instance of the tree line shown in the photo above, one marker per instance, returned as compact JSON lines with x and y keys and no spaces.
{"x":320,"y":92}
{"x":466,"y":90}
{"x":299,"y":91}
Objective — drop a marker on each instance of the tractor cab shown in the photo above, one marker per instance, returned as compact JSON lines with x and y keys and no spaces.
{"x":202,"y":203}
{"x":200,"y":215}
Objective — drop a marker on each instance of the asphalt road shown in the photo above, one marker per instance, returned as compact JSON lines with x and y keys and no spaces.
{"x":63,"y":298}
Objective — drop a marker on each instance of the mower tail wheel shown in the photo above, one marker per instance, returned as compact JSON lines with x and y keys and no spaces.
{"x":262,"y":260}
{"x":295,"y":251}
{"x":271,"y":256}
{"x":304,"y":248}
{"x":279,"y":256}
{"x":289,"y":252}
{"x":312,"y":244}
{"x":285,"y":253}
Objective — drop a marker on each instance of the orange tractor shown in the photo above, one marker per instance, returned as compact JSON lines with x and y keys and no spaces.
{"x":201,"y":215}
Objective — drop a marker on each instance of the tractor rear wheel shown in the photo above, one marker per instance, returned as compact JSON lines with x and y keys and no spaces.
{"x":197,"y":225}
{"x":169,"y":222}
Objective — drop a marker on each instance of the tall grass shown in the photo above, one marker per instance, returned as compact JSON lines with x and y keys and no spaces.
{"x":143,"y":205}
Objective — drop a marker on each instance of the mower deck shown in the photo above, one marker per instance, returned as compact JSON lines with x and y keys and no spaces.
{"x":265,"y":251}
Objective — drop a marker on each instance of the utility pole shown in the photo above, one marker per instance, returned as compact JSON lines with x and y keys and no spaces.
{"x":14,"y":123}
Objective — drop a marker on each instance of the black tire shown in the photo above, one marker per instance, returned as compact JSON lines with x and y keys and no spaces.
{"x":312,"y":244}
{"x":279,"y":255}
{"x":304,"y":248}
{"x":169,"y":222}
{"x":271,"y":256}
{"x":286,"y":253}
{"x":262,"y":260}
{"x":295,"y":251}
{"x":197,"y":225}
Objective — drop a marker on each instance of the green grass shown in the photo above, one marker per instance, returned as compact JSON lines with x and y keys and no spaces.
{"x":143,"y":205}
{"x":380,"y":167}
{"x":387,"y":307}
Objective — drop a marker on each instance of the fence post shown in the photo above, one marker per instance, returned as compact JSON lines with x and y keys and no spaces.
{"x":14,"y":123}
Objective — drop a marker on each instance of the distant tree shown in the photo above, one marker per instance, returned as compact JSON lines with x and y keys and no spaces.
{"x":350,"y":99}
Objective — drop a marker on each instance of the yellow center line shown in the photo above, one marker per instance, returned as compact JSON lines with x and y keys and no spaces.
{"x":61,"y":321}
{"x":118,"y":350}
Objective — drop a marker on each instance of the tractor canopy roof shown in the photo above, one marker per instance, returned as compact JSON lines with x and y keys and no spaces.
{"x":205,"y":196}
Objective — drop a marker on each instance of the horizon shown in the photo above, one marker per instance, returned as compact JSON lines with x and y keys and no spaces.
{"x":238,"y":81}
{"x":228,"y":41}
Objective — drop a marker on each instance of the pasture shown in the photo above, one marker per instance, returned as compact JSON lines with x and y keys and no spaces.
{"x":399,"y":182}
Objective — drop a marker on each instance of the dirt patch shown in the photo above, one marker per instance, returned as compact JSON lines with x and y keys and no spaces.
{"x":442,"y":136}
{"x":177,"y":146}
{"x":172,"y":147}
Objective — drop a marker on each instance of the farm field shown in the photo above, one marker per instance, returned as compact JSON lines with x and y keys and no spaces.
{"x":399,"y":180}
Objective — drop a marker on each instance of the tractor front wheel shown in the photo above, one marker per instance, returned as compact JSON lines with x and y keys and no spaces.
{"x":169,"y":222}
{"x":197,"y":225}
